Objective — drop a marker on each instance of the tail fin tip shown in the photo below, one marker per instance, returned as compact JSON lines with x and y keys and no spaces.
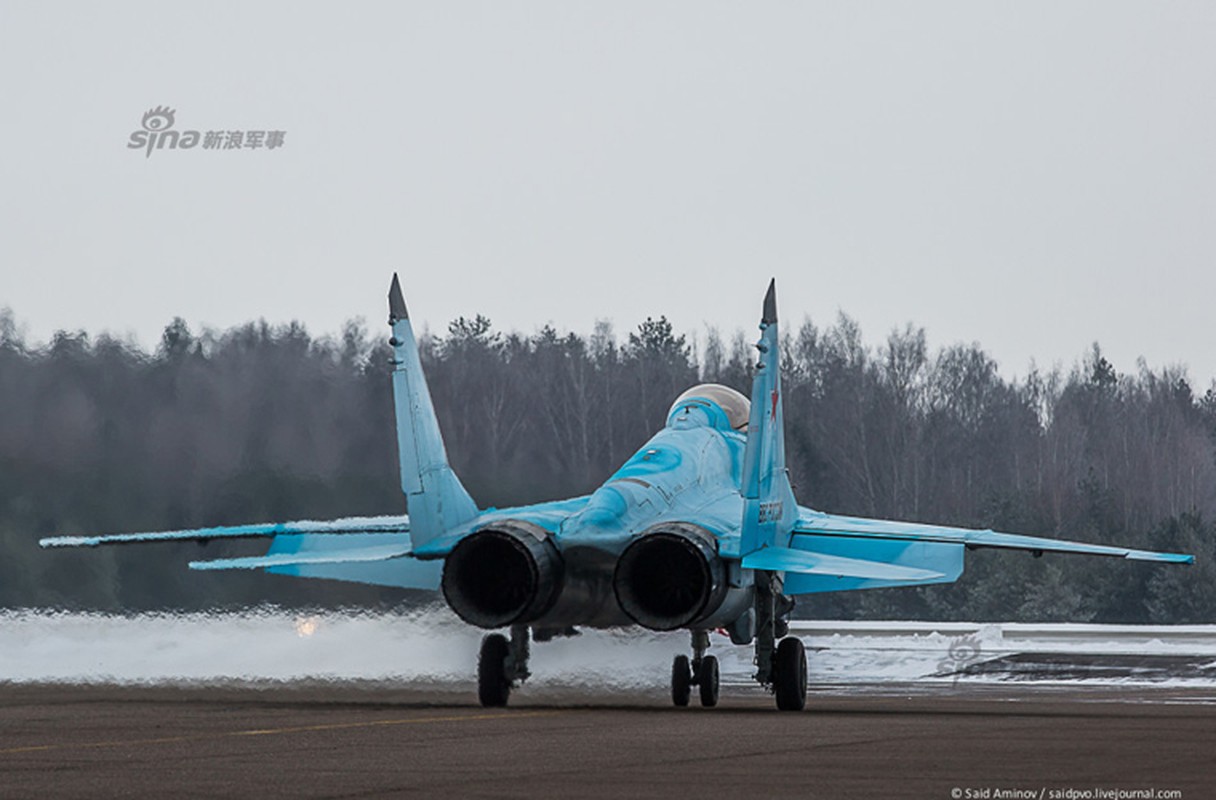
{"x":770,"y":303}
{"x":396,"y":302}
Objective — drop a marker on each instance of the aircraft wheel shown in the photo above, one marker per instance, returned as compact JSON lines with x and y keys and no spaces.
{"x":707,"y":680}
{"x":493,"y":685}
{"x":789,"y":674}
{"x":681,"y":681}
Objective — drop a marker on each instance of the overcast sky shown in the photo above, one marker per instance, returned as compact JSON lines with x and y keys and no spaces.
{"x":1029,"y":176}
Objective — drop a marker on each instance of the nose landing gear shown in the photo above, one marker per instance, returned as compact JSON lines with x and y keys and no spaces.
{"x":701,"y":672}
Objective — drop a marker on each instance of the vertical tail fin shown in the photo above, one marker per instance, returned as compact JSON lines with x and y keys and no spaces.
{"x":437,"y":502}
{"x":769,"y":508}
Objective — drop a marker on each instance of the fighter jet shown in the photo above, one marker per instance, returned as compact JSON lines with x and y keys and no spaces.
{"x":699,"y":530}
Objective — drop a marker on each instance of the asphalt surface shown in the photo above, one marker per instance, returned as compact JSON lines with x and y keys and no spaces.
{"x":374,"y":741}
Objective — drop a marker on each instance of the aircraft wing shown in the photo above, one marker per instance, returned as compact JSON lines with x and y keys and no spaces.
{"x":348,"y":525}
{"x":373,"y":550}
{"x":814,"y":523}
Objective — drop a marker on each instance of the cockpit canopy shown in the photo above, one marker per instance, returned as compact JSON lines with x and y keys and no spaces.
{"x":733,"y":404}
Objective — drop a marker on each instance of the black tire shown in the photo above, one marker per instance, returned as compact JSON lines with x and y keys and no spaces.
{"x":707,"y":680}
{"x":789,"y":674}
{"x":681,"y":681}
{"x":493,"y":685}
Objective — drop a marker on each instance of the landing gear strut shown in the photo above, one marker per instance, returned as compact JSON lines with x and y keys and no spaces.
{"x":501,"y":663}
{"x":701,"y":672}
{"x":779,"y":666}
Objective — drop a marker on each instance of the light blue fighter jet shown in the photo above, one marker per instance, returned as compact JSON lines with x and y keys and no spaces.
{"x":699,"y":530}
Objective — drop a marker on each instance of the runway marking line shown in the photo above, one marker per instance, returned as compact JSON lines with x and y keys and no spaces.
{"x":276,"y":731}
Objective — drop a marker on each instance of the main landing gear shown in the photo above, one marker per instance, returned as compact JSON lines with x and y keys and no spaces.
{"x":702,"y":672}
{"x":501,"y":664}
{"x":782,"y":668}
{"x":789,"y":674}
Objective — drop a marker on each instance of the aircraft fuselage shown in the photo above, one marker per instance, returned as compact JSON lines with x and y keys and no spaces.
{"x":683,"y":483}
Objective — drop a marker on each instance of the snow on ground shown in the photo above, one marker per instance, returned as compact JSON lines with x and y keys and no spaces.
{"x":433,"y":647}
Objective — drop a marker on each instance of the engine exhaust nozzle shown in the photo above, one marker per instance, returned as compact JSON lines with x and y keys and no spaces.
{"x":502,"y":575}
{"x":670,"y":577}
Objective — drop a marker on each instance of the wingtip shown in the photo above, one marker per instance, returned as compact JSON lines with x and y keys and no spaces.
{"x":396,"y":302}
{"x":770,"y":303}
{"x":68,"y":541}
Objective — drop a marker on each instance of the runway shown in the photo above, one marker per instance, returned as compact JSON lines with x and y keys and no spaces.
{"x":368,"y":739}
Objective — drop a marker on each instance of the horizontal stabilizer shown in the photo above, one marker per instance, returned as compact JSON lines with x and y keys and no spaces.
{"x":348,"y":556}
{"x":857,"y":527}
{"x":396,"y":524}
{"x":785,"y":559}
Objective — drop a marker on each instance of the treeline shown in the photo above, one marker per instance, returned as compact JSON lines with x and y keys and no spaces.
{"x":269,"y":423}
